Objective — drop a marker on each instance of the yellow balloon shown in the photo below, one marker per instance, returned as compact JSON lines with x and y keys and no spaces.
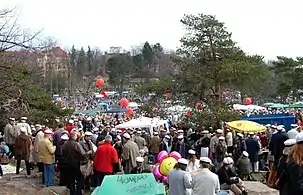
{"x":167,"y":164}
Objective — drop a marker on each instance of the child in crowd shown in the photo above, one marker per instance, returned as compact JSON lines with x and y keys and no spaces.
{"x":4,"y":150}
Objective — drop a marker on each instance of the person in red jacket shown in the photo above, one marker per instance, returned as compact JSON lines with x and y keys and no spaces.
{"x":105,"y":160}
{"x":70,"y":126}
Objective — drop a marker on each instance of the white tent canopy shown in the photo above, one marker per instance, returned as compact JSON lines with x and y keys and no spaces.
{"x":248,"y":107}
{"x":143,"y":122}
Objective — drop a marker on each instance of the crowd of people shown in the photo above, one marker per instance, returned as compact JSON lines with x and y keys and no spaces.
{"x":86,"y":149}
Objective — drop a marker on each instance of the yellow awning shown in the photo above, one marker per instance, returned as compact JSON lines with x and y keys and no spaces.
{"x":246,"y":126}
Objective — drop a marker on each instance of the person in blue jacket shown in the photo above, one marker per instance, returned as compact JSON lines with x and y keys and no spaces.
{"x":253,"y":148}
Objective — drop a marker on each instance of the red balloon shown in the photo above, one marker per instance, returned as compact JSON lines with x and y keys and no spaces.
{"x":99,"y":82}
{"x":124,"y":102}
{"x":248,"y":101}
{"x":198,"y":106}
{"x":129,"y":111}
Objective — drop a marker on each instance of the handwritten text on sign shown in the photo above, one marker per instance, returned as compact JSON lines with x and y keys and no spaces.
{"x":136,"y":183}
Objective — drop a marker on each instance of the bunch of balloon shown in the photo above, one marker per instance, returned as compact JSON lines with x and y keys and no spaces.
{"x":166,"y":162}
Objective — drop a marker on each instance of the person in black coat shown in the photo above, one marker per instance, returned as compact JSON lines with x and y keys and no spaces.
{"x":281,"y":170}
{"x":253,"y":148}
{"x":276,"y":145}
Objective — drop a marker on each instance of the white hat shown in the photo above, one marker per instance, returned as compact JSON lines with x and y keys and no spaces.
{"x":227,"y":161}
{"x":47,"y":131}
{"x":299,"y":137}
{"x":167,"y":136}
{"x":180,"y":137}
{"x":71,"y":121}
{"x":245,"y":154}
{"x":37,"y":125}
{"x":274,"y":126}
{"x":279,"y":128}
{"x":23,"y":118}
{"x":240,"y":135}
{"x":219,"y":131}
{"x":119,"y":131}
{"x":23,"y":129}
{"x":95,"y":129}
{"x":118,"y":137}
{"x":268,"y":125}
{"x":89,"y":118}
{"x":12,"y":119}
{"x":156,"y":133}
{"x":139,"y":132}
{"x":139,"y":159}
{"x":221,"y":138}
{"x":191,"y":152}
{"x":251,"y":133}
{"x":205,"y":132}
{"x":88,"y":133}
{"x":294,"y":125}
{"x":183,"y":161}
{"x":205,"y":160}
{"x":290,"y":142}
{"x":126,"y":135}
{"x":180,"y":131}
{"x":64,"y":137}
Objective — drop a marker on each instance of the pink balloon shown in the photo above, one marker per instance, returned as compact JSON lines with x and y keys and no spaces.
{"x":163,"y":154}
{"x":164,"y":179}
{"x":156,"y":172}
{"x":175,"y":155}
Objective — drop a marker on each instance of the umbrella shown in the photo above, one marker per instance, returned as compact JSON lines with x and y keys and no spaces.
{"x":246,"y":126}
{"x":297,"y":105}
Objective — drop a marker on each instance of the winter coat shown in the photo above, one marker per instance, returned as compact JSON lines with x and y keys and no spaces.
{"x":22,"y":147}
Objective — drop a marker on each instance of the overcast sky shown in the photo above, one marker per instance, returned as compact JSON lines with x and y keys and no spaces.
{"x":265,"y":27}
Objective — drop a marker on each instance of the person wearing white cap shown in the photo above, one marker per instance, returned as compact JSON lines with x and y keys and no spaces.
{"x":213,"y":143}
{"x":105,"y":160}
{"x":276,"y":145}
{"x":193,"y":162}
{"x":155,"y":142}
{"x":203,"y":144}
{"x":36,"y":156}
{"x":221,"y":149}
{"x":204,"y":181}
{"x":179,"y":179}
{"x":141,"y":167}
{"x":22,"y":150}
{"x":228,"y":182}
{"x":181,"y":146}
{"x":25,"y":125}
{"x":282,"y":167}
{"x":140,"y":141}
{"x":229,"y":141}
{"x":46,"y":152}
{"x":253,"y":148}
{"x":129,"y":153}
{"x":293,"y":132}
{"x":243,"y":166}
{"x":10,"y":135}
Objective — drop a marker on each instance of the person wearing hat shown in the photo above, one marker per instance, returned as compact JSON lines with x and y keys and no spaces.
{"x":213,"y":143}
{"x":293,"y":132}
{"x":193,"y":162}
{"x":73,"y":154}
{"x":276,"y":145}
{"x":62,"y":165}
{"x":46,"y":152}
{"x":87,"y":145}
{"x":70,"y":125}
{"x":36,"y":156}
{"x":221,"y":149}
{"x":154,"y":147}
{"x":203,"y":144}
{"x":179,"y":179}
{"x":141,"y":167}
{"x":229,"y":141}
{"x":240,"y":146}
{"x":22,"y":150}
{"x":243,"y":166}
{"x":166,"y":144}
{"x":282,"y":166}
{"x":253,"y":148}
{"x":181,"y":146}
{"x":25,"y":125}
{"x":140,"y":141}
{"x":228,"y":181}
{"x":118,"y":145}
{"x":10,"y":135}
{"x":129,"y":153}
{"x":204,"y":181}
{"x":106,"y":160}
